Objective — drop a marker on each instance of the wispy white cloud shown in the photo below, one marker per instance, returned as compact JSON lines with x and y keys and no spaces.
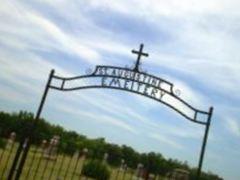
{"x":203,"y":46}
{"x":31,"y":74}
{"x":166,"y":140}
{"x":233,"y":126}
{"x":119,"y":123}
{"x":45,"y":34}
{"x":195,"y":38}
{"x":170,"y":8}
{"x":204,"y":53}
{"x":8,"y":94}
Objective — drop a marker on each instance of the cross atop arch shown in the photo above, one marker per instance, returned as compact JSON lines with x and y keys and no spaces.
{"x":139,"y":53}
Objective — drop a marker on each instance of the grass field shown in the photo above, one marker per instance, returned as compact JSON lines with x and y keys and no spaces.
{"x":64,"y":167}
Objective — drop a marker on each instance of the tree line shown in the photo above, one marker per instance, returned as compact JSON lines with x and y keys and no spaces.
{"x":70,"y":141}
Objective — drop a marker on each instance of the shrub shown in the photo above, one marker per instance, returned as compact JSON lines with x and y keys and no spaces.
{"x":2,"y":143}
{"x":97,"y":170}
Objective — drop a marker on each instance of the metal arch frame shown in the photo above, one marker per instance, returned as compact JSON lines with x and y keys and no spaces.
{"x":93,"y":75}
{"x":20,"y":160}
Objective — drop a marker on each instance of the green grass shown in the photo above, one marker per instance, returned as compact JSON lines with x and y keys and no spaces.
{"x":37,"y":167}
{"x":65,"y":167}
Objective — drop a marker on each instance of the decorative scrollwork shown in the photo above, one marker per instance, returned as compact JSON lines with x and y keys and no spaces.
{"x":177,"y":92}
{"x":89,"y":71}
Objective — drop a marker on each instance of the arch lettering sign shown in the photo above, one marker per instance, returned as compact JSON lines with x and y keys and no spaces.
{"x":134,"y":81}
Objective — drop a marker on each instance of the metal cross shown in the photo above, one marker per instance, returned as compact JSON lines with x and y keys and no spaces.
{"x":139,"y":53}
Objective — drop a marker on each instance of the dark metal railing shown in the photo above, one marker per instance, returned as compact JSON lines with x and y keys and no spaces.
{"x":44,"y":163}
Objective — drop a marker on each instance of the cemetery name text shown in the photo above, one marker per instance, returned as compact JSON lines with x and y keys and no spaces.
{"x":133,"y":81}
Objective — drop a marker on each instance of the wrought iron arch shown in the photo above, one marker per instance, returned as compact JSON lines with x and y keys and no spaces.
{"x":164,"y":91}
{"x":124,"y":79}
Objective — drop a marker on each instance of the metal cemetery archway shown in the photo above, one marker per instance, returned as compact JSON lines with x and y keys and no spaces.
{"x":125,"y":79}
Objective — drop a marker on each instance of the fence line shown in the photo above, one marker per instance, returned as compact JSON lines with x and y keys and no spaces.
{"x":47,"y":161}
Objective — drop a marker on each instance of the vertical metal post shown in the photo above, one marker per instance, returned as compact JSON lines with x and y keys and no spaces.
{"x":32,"y":131}
{"x":16,"y":158}
{"x":204,"y":143}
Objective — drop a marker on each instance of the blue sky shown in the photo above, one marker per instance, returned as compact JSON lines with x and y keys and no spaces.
{"x":194,"y":44}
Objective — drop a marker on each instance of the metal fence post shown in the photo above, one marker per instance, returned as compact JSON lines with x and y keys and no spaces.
{"x":204,"y":143}
{"x":31,"y":133}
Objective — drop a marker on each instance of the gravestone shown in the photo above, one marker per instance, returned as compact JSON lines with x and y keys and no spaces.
{"x":139,"y":171}
{"x":121,"y":168}
{"x":12,"y":138}
{"x":151,"y":177}
{"x":43,"y":144}
{"x":51,"y":150}
{"x":83,"y":154}
{"x":178,"y":174}
{"x":105,"y":157}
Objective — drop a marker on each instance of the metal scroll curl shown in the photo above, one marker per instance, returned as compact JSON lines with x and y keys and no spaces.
{"x":125,"y":79}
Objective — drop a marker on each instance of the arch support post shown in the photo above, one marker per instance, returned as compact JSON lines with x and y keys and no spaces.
{"x":204,"y":143}
{"x":24,"y":147}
